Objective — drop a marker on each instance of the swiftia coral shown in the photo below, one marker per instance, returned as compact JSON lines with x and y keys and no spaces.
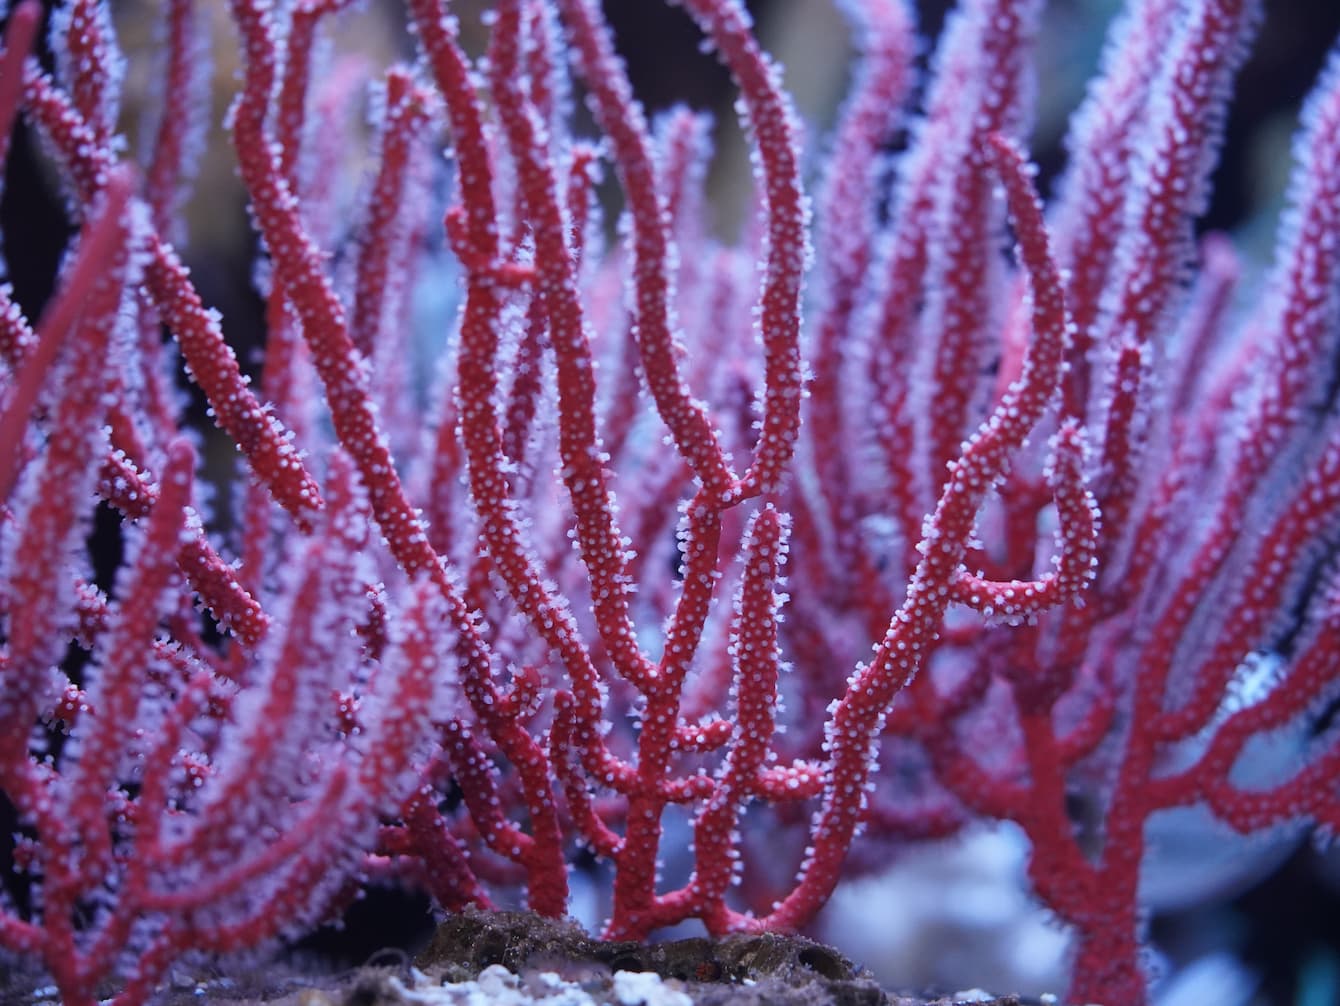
{"x":506,"y":578}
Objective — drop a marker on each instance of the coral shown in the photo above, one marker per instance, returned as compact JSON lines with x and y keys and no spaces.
{"x":551,"y":535}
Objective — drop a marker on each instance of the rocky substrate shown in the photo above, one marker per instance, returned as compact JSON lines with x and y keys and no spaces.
{"x":520,"y":959}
